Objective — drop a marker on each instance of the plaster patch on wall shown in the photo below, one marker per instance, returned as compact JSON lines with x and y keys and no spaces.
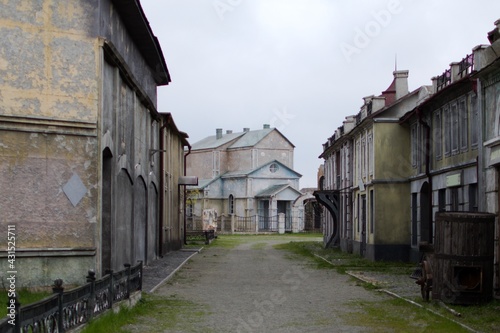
{"x":74,"y":189}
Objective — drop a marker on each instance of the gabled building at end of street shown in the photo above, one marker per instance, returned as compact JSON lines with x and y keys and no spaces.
{"x":248,"y":176}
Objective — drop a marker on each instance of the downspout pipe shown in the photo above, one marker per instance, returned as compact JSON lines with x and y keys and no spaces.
{"x":185,"y":192}
{"x":427,"y":167}
{"x":161,"y":220}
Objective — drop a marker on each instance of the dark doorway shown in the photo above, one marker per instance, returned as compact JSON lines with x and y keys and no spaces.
{"x":283,"y":208}
{"x":106,"y":210}
{"x":363,"y":224}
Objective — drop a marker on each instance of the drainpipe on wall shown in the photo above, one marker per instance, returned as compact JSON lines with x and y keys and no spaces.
{"x":162,"y":184}
{"x":427,"y":167}
{"x":185,"y":192}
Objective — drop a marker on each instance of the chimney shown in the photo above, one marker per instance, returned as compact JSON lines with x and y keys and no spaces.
{"x":266,"y":126}
{"x":480,"y":59}
{"x":229,"y":132}
{"x":218,"y":133}
{"x":401,"y":78}
{"x":434,"y":80}
{"x":494,"y":34}
{"x":246,"y":129}
{"x":455,"y":71}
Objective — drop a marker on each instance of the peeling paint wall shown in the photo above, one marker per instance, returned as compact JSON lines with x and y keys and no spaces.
{"x":75,"y":140}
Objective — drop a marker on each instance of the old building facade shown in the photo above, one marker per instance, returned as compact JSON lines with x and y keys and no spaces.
{"x":442,"y":155}
{"x":78,"y":125}
{"x":366,"y":169}
{"x":444,"y":138}
{"x":487,"y":88}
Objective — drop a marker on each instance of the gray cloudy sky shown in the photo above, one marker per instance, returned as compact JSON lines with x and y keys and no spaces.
{"x":302,"y":66}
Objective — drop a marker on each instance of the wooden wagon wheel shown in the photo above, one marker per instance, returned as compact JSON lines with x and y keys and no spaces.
{"x":426,"y":280}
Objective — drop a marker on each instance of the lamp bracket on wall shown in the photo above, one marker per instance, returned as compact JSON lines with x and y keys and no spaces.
{"x":154,"y":151}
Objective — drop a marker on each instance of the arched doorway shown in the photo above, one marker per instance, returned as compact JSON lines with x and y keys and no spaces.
{"x":140,"y":220}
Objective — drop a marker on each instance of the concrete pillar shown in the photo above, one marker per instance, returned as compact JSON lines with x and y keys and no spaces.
{"x":295,"y":220}
{"x":281,"y":223}
{"x":256,"y":224}
{"x":232,"y":224}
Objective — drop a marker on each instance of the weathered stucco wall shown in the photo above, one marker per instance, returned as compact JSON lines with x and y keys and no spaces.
{"x":48,"y":141}
{"x":48,"y":60}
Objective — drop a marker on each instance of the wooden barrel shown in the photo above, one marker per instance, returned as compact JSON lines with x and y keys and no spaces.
{"x":462,"y":264}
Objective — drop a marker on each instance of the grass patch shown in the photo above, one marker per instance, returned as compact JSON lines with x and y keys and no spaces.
{"x":151,"y":314}
{"x":342,"y":261}
{"x":483,"y":318}
{"x":395,"y":315}
{"x":24,"y":296}
{"x":227,"y":241}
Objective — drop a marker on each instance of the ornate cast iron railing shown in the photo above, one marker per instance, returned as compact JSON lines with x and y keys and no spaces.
{"x":67,"y":310}
{"x":444,"y":79}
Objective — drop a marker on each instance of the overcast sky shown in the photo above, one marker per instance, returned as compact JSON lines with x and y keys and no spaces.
{"x":302,"y":66}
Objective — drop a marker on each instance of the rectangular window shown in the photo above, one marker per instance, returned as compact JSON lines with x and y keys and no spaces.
{"x":370,"y":154}
{"x":442,"y":200}
{"x":447,"y":130}
{"x":474,"y":121}
{"x":438,"y":140}
{"x":463,"y":114}
{"x":358,"y":163}
{"x":216,"y":164}
{"x":414,"y":143}
{"x":454,"y":128}
{"x":363,"y":158}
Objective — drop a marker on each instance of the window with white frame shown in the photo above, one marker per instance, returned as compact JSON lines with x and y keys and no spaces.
{"x":216,"y":164}
{"x":474,"y":130}
{"x":437,"y":137}
{"x":463,"y":115}
{"x":358,"y":161}
{"x":447,"y":130}
{"x":231,"y":204}
{"x":454,"y":128}
{"x":363,"y":158}
{"x":414,"y":145}
{"x":370,"y":154}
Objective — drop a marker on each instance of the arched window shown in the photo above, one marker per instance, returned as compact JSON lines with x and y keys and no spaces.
{"x":189,"y":208}
{"x":231,"y":204}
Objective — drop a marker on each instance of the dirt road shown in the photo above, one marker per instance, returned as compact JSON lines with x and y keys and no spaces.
{"x":254,"y":287}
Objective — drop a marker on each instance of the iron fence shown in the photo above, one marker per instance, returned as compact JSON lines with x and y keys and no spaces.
{"x":245,"y":223}
{"x":66,"y":310}
{"x":268,"y":223}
